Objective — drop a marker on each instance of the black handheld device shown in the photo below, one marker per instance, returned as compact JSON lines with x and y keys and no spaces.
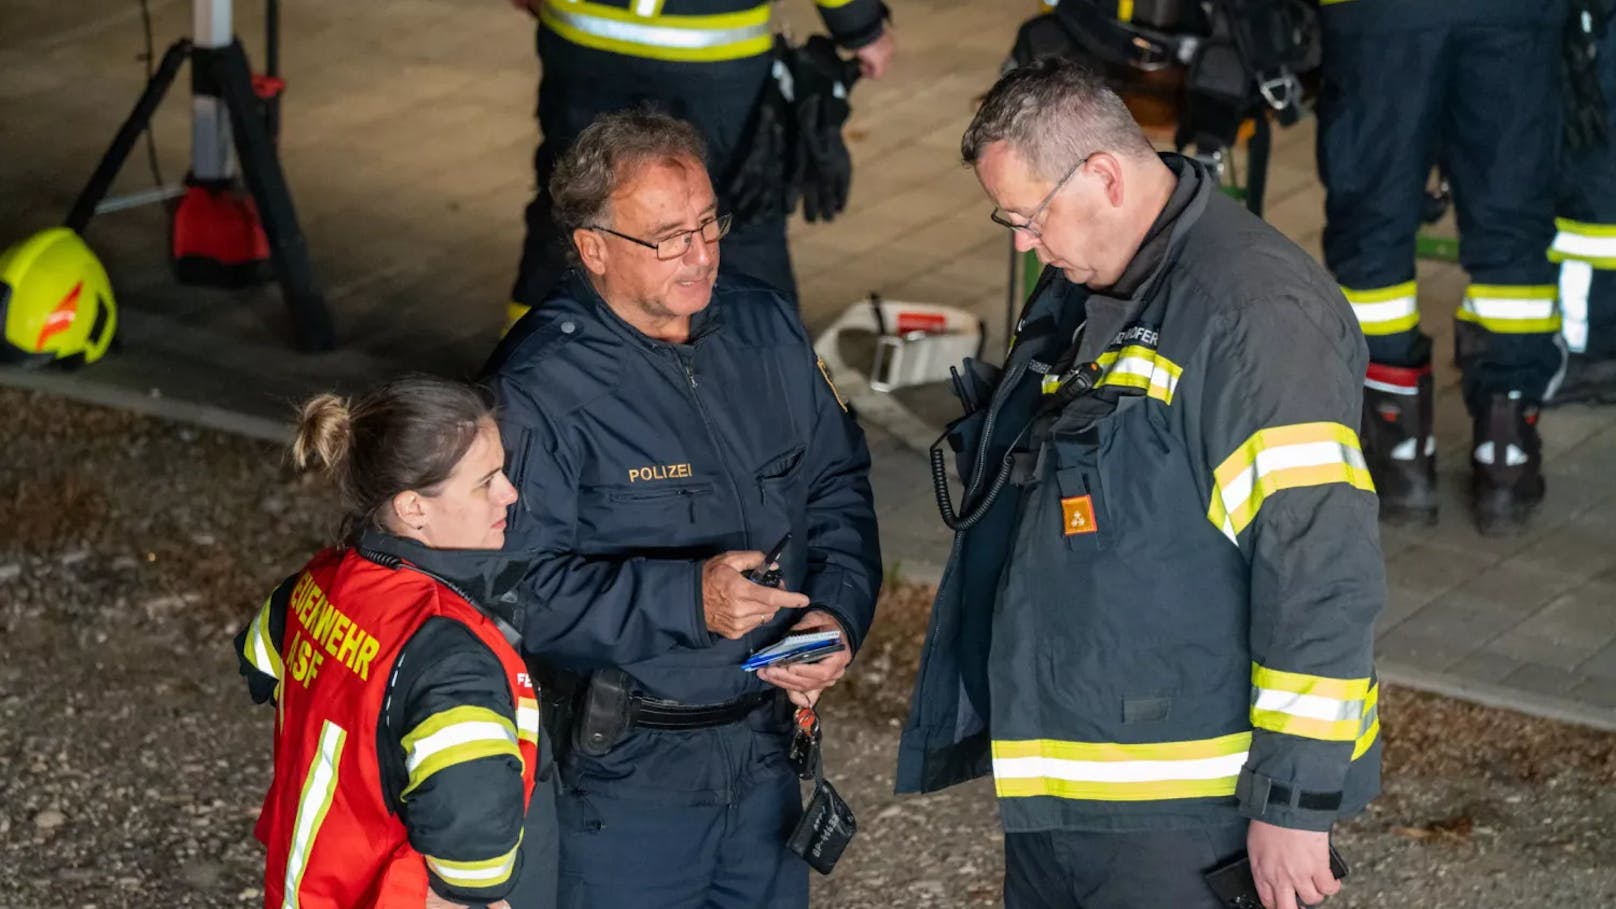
{"x":768,"y":574}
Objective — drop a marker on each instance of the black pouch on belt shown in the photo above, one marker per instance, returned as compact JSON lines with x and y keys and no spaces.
{"x":606,"y":714}
{"x":827,"y":824}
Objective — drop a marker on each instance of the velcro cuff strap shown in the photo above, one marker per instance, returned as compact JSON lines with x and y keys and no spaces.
{"x":1263,"y":793}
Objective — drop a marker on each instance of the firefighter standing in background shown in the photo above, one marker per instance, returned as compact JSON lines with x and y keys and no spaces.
{"x":406,"y":728}
{"x":705,"y":61}
{"x":1478,"y":83}
{"x":1585,"y":242}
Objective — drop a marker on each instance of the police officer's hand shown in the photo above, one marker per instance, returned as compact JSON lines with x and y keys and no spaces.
{"x":875,"y":57}
{"x":732,"y":604}
{"x":805,"y":682}
{"x":1291,"y":867}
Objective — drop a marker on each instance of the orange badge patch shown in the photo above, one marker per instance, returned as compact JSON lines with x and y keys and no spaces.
{"x":1078,"y":512}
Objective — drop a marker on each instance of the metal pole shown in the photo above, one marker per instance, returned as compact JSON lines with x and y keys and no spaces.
{"x":212,"y":157}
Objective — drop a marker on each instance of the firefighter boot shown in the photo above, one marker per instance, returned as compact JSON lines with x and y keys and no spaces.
{"x":1506,"y":482}
{"x":1398,"y":442}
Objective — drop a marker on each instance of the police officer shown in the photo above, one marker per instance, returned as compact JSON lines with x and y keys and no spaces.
{"x":1477,"y":84}
{"x":705,"y":61}
{"x":1585,"y":239}
{"x":1156,"y":625}
{"x":666,"y":426}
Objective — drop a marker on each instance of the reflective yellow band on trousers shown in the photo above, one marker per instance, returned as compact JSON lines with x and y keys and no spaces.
{"x":705,"y":39}
{"x":1283,"y":457}
{"x":1311,"y":706}
{"x":1582,"y":241}
{"x":1511,"y":309}
{"x":1136,"y":366}
{"x":1106,"y":771}
{"x":1385,"y":310}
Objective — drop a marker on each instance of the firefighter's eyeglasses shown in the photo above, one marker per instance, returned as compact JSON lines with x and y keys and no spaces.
{"x":673,"y":247}
{"x":1030,"y":227}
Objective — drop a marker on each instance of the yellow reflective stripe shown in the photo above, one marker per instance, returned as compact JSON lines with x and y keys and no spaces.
{"x":831,"y":4}
{"x":1307,"y":727}
{"x":527,"y":720}
{"x":1511,"y":308}
{"x":1380,"y":294}
{"x":259,"y":648}
{"x":1580,"y":241}
{"x":1283,"y":457}
{"x":1125,"y":10}
{"x":455,"y":736}
{"x":1049,"y":384}
{"x":1385,"y":310}
{"x":478,"y":874}
{"x":1371,"y":723}
{"x":318,"y":789}
{"x":1136,"y":366}
{"x":1302,"y":683}
{"x":726,"y":36}
{"x":1110,"y":771}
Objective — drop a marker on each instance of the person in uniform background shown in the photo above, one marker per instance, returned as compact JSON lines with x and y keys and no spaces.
{"x":1474,"y":86}
{"x":705,"y":61}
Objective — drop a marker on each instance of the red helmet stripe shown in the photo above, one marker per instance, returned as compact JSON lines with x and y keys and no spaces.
{"x":61,"y":317}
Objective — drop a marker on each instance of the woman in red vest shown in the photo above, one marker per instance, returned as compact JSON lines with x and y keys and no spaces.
{"x":406,"y":728}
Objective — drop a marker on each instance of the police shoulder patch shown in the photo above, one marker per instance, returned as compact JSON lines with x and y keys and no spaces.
{"x":833,"y":389}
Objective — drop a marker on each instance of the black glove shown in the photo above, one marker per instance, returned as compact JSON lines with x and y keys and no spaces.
{"x":822,"y":170}
{"x":756,"y":187}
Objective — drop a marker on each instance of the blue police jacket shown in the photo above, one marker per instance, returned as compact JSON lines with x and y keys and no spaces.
{"x":637,"y":460}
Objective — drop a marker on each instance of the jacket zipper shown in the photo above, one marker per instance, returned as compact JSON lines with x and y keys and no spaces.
{"x":707,"y":426}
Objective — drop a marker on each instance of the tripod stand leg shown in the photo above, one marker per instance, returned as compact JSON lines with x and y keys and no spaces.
{"x":261,"y":169}
{"x":139,"y":118}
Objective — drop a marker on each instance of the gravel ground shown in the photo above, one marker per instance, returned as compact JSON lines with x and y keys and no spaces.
{"x":131,"y":763}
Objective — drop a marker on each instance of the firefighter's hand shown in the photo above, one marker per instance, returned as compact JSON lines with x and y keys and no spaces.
{"x":805,"y":682}
{"x":1291,"y":867}
{"x":433,"y":901}
{"x":732,"y":604}
{"x":875,"y":57}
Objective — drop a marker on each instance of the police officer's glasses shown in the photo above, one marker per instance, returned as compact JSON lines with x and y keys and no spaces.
{"x":1031,"y":227}
{"x":676,"y":245}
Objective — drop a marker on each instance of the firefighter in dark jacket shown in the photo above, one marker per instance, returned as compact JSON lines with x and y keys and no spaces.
{"x":1157,"y":634}
{"x":406,"y":727}
{"x":705,"y":61}
{"x":667,"y":430}
{"x":1476,"y":87}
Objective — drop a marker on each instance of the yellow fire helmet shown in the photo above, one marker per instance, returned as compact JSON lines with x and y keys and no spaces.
{"x":55,"y":301}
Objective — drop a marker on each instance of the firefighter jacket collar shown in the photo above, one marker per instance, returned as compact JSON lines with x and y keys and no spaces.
{"x":485,"y":578}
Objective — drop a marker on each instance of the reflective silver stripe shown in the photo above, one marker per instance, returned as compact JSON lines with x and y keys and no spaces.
{"x":1576,"y":279}
{"x":655,"y":35}
{"x":1574,"y":244}
{"x":318,"y":788}
{"x":1511,"y":309}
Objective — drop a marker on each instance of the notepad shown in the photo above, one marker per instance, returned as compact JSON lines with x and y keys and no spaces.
{"x":796,"y":648}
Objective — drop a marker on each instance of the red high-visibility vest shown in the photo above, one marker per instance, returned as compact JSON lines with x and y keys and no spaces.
{"x":332,"y":842}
